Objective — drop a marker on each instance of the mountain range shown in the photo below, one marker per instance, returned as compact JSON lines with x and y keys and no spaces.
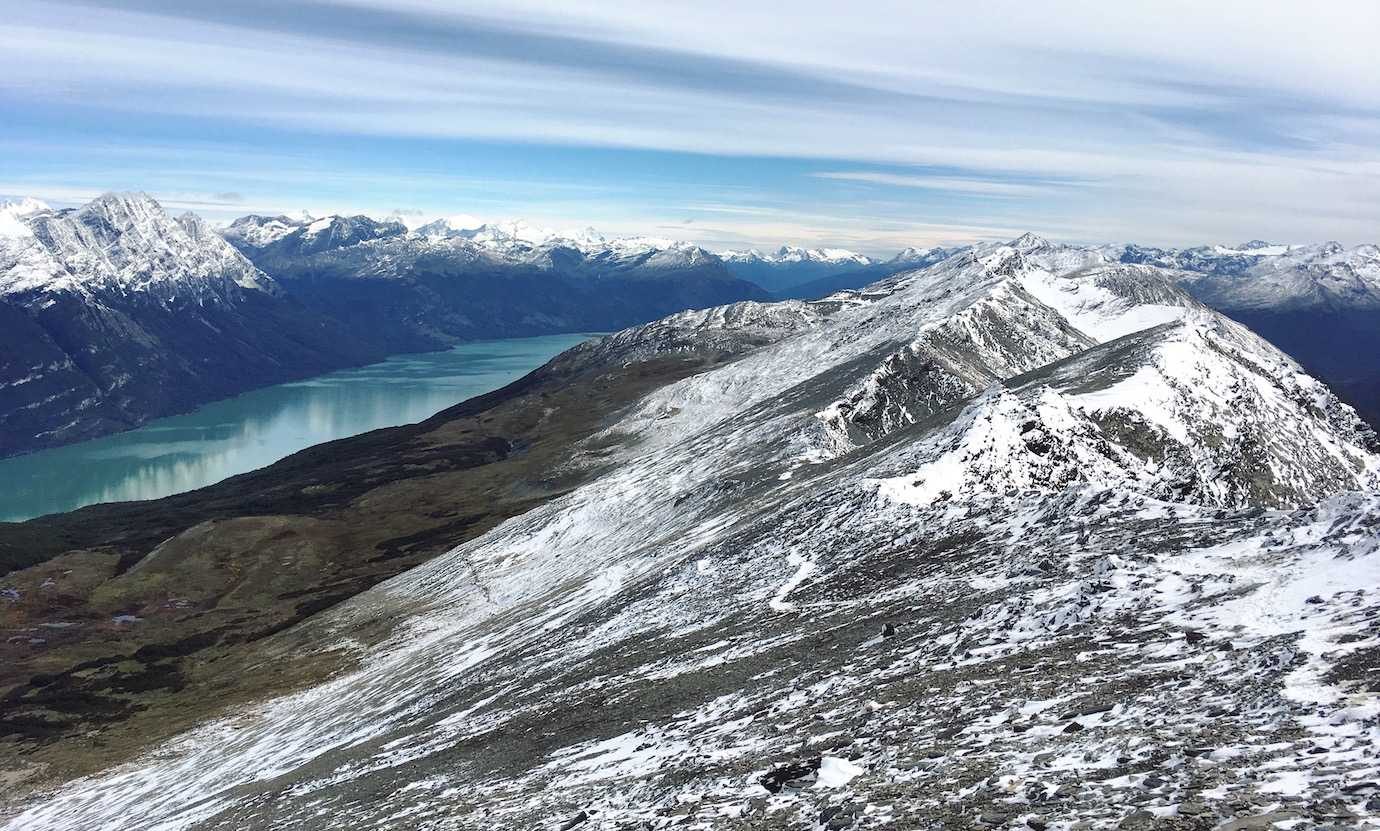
{"x":117,"y":313}
{"x":430,"y":288}
{"x":1026,"y":538}
{"x":1320,"y":303}
{"x":792,"y":272}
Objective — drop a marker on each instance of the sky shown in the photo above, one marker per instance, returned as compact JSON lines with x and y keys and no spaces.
{"x":867,"y":125}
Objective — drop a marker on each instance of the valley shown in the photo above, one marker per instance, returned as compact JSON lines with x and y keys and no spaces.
{"x":181,"y":453}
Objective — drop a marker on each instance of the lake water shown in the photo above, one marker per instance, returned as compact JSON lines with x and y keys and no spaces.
{"x":185,"y":452}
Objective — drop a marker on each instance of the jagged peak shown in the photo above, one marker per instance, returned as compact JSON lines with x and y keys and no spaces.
{"x":1028,"y":242}
{"x":13,"y":214}
{"x":126,"y":241}
{"x":128,"y":201}
{"x":195,"y":226}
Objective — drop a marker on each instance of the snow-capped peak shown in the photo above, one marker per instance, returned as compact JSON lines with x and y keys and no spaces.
{"x":790,"y":254}
{"x":1254,"y":248}
{"x":794,"y":254}
{"x":12,"y":214}
{"x":1029,"y":242}
{"x":124,"y":211}
{"x":122,"y":242}
{"x":841,"y":255}
{"x":447,"y":225}
{"x":514,"y":230}
{"x":23,"y":206}
{"x":1047,"y":522}
{"x":319,"y":226}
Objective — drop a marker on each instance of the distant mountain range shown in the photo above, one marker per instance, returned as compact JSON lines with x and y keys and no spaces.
{"x":807,"y":273}
{"x":115,"y":313}
{"x":439,"y":284}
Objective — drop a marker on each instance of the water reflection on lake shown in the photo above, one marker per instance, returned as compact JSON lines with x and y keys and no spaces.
{"x":240,"y":434}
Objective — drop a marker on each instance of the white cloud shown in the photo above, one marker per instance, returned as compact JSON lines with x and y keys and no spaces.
{"x":1160,"y":121}
{"x":987,"y":187}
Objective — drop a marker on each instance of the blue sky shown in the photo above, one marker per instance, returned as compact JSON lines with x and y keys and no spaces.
{"x":873,"y":126}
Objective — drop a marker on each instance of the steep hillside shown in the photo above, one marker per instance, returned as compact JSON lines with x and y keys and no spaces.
{"x":116,"y":313}
{"x":1027,"y":538}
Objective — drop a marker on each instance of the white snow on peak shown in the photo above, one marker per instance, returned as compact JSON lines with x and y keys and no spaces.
{"x":454,"y":222}
{"x":11,"y":214}
{"x":25,"y":265}
{"x":840,"y":255}
{"x":319,"y":226}
{"x":522,"y":240}
{"x":695,"y":504}
{"x":788,"y":254}
{"x":1111,"y":301}
{"x":259,"y":231}
{"x":122,"y":242}
{"x":515,"y":230}
{"x":1254,"y":251}
{"x":1275,"y":276}
{"x":25,"y":206}
{"x":1028,"y":242}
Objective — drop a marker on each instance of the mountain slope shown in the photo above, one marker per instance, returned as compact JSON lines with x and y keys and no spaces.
{"x":1135,"y":576}
{"x":115,"y":313}
{"x":1319,"y":303}
{"x":277,"y":241}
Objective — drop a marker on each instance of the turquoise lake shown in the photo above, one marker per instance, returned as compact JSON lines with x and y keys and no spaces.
{"x":185,"y":452}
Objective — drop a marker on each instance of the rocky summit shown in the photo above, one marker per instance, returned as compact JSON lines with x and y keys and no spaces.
{"x":1014,"y":540}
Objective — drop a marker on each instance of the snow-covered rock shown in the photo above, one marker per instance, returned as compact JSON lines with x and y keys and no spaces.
{"x":125,"y":242}
{"x":1134,"y":573}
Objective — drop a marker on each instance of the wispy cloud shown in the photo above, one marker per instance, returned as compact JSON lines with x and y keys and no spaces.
{"x":1211,"y":121}
{"x":953,"y":184}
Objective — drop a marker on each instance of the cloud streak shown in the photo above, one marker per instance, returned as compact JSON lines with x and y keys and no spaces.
{"x":951,"y":184}
{"x":1163,"y":122}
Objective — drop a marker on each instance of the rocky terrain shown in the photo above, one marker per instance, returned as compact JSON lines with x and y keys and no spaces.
{"x":1319,"y":303}
{"x":1027,"y":538}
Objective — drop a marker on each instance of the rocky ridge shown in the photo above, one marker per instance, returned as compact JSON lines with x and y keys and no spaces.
{"x":1130,"y":583}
